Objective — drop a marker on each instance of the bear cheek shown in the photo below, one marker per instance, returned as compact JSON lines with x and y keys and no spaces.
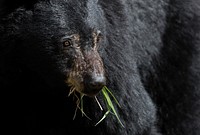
{"x":75,"y":74}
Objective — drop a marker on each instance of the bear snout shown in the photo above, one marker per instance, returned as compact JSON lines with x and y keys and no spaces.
{"x":87,"y":75}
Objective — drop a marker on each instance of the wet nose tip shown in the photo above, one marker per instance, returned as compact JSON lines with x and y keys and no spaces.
{"x":97,"y":83}
{"x":94,"y":84}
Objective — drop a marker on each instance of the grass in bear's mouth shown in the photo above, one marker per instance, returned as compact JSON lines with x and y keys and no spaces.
{"x":109,"y":105}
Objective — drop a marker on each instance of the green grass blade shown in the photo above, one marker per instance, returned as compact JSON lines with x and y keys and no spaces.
{"x":111,"y":105}
{"x":104,"y":116}
{"x":82,"y":104}
{"x":112,"y":96}
{"x":98,"y":103}
{"x":82,"y":111}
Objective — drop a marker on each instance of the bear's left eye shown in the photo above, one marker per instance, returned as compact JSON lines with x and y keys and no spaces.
{"x":67,"y":43}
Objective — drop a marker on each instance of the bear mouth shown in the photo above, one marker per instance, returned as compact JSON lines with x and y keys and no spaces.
{"x":89,"y":86}
{"x":90,"y":91}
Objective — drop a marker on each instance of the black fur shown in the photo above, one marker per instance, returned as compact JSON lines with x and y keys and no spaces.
{"x":150,"y":50}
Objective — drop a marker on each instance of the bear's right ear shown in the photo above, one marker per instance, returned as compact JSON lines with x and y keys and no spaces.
{"x":7,"y":40}
{"x":10,"y":27}
{"x":9,"y":6}
{"x":8,"y":53}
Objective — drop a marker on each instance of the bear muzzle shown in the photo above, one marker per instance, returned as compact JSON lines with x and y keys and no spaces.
{"x":93,"y":84}
{"x":87,"y":75}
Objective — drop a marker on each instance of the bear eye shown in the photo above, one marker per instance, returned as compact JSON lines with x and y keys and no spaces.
{"x":67,"y":43}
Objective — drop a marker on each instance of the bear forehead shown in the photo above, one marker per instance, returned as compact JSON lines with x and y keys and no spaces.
{"x":68,"y":14}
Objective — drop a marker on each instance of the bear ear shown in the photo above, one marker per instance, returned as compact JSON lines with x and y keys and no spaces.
{"x":8,"y":56}
{"x":10,"y":29}
{"x":7,"y":41}
{"x":9,"y":6}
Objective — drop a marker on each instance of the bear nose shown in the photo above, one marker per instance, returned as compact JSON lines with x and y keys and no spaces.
{"x":93,"y":84}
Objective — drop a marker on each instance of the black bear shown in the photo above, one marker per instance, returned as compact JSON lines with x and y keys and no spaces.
{"x":147,"y":52}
